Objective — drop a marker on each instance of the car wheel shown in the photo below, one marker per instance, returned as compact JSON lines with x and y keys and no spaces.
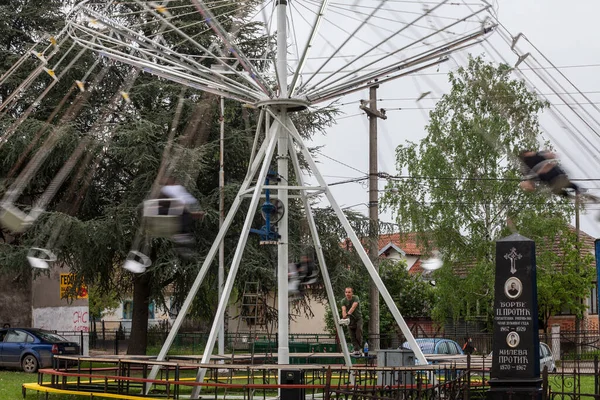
{"x":29,"y":363}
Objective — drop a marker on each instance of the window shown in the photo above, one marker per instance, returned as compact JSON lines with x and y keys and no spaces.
{"x":544,"y":351}
{"x":151,"y":310}
{"x":443,"y":348}
{"x":50,"y":337}
{"x":127,"y":309}
{"x":565,"y":310}
{"x":452,"y":349}
{"x":592,"y":301}
{"x":16,"y":337}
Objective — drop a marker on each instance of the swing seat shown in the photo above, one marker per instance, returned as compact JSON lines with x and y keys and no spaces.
{"x":40,"y":258}
{"x":162,"y":217}
{"x":560,"y":183}
{"x":432,"y":264}
{"x":14,"y":219}
{"x":137,"y":262}
{"x":312,"y":278}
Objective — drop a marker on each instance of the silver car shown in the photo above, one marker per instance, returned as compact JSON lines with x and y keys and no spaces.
{"x":546,"y":358}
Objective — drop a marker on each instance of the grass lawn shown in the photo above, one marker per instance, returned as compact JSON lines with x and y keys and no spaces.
{"x":10,"y":386}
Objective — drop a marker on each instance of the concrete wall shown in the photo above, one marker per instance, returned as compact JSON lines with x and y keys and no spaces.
{"x":316,"y":324}
{"x":50,"y":311}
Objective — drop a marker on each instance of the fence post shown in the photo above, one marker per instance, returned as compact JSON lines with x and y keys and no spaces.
{"x":596,"y":388}
{"x":467,"y":385}
{"x":103,"y":331}
{"x":545,"y":385}
{"x":556,"y":341}
{"x":81,"y":341}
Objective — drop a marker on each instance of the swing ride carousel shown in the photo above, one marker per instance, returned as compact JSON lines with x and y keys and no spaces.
{"x":317,"y":52}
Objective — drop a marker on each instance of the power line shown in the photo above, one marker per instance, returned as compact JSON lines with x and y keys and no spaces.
{"x":341,"y":163}
{"x":384,"y":175}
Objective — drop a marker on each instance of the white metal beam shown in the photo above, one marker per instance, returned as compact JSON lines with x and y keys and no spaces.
{"x":237,"y":258}
{"x":358,"y":246}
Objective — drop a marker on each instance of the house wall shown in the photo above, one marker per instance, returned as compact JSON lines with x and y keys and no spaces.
{"x":299,"y":323}
{"x":119,"y":317}
{"x":51,"y":311}
{"x":396,"y":256}
{"x":567,"y":322}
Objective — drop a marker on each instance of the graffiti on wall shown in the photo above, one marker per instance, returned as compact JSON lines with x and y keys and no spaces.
{"x":62,"y":318}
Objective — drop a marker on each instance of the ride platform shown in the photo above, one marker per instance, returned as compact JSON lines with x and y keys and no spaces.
{"x":128,"y":378}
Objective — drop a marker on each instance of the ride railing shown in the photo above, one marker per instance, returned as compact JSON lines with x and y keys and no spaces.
{"x":128,"y":376}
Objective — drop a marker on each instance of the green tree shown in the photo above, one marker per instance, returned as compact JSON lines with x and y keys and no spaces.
{"x":565,"y":268}
{"x":463,"y":184}
{"x":413,"y":294}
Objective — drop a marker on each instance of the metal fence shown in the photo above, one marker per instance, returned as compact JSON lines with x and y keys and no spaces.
{"x":566,"y":347}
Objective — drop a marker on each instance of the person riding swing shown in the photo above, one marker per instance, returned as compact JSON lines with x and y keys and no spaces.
{"x":543,"y":166}
{"x":184,"y":238}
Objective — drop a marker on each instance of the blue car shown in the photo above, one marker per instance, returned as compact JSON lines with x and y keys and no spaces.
{"x":30,"y":349}
{"x":437,"y":346}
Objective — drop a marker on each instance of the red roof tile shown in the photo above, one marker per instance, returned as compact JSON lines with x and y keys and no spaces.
{"x":416,"y":268}
{"x":406,"y":241}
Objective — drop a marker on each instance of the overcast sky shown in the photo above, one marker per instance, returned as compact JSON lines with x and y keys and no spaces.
{"x":563,"y":31}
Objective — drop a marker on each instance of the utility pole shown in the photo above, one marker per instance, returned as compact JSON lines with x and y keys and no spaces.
{"x":221,"y":271}
{"x":578,"y":319}
{"x":374,"y":114}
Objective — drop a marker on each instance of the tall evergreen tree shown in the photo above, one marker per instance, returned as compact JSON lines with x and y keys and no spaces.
{"x":97,"y":210}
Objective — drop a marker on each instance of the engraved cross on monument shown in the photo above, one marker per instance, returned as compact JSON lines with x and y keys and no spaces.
{"x":515,"y":372}
{"x":513,"y":256}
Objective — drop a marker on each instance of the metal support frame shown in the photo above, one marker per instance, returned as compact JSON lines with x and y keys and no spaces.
{"x":282,"y":128}
{"x":290,"y":127}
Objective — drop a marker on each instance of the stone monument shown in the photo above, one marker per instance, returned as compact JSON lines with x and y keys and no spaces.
{"x":515,"y":370}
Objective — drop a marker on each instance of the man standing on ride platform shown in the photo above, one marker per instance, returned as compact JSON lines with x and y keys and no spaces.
{"x":351,"y":313}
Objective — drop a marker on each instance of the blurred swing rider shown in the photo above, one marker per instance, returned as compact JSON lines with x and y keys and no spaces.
{"x":184,"y":239}
{"x":543,"y":166}
{"x":301,"y":274}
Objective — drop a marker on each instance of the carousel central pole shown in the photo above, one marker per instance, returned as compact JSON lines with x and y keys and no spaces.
{"x":283,"y":350}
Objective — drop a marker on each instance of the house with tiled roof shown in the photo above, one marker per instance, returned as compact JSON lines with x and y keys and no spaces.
{"x":396,"y":246}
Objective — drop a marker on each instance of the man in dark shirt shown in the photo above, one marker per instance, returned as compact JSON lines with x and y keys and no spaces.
{"x":351,"y":310}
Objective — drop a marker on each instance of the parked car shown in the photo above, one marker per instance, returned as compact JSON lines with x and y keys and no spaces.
{"x":546,"y":358}
{"x":431,"y":346}
{"x":31,"y":349}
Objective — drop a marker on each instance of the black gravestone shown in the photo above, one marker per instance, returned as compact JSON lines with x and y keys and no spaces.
{"x":515,"y":370}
